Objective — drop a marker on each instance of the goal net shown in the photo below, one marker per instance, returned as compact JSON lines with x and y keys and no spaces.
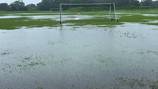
{"x":79,"y":11}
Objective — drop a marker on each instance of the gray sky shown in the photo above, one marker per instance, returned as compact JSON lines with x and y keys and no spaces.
{"x":26,"y":1}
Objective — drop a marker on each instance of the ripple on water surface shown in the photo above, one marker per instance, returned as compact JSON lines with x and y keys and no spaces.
{"x":86,"y":57}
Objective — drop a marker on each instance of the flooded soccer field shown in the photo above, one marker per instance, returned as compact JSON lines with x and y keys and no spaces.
{"x":124,"y":56}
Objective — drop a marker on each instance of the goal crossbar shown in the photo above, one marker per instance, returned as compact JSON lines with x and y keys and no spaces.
{"x":61,"y":4}
{"x":86,"y":4}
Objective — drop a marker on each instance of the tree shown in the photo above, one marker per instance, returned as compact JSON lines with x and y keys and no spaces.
{"x":4,"y":7}
{"x":125,"y":3}
{"x":18,"y":6}
{"x":54,"y":4}
{"x":134,"y":3}
{"x":31,"y":7}
{"x":147,"y":3}
{"x":155,"y":3}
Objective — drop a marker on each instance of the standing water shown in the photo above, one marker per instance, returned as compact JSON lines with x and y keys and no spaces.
{"x":86,"y":57}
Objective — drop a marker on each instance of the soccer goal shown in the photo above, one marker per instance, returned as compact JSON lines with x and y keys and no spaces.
{"x":107,"y":8}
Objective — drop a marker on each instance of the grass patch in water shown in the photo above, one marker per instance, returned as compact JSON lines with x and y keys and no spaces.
{"x":139,"y":11}
{"x":93,"y":21}
{"x":152,"y":23}
{"x":14,"y":23}
{"x":26,"y":13}
{"x":104,"y":21}
{"x":137,"y":18}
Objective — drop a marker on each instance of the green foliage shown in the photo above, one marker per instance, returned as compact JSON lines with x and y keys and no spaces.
{"x":49,"y":5}
{"x":4,"y":7}
{"x":31,"y":7}
{"x":82,"y":9}
{"x":17,"y":6}
{"x":147,"y":3}
{"x":125,"y":3}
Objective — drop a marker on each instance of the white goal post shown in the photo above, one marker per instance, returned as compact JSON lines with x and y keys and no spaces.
{"x":111,"y":8}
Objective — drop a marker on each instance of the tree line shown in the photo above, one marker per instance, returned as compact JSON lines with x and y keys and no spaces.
{"x":47,"y":5}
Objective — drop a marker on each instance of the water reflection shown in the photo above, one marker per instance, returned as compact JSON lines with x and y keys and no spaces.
{"x":87,"y":57}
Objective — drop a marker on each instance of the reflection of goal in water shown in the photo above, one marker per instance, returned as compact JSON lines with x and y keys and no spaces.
{"x":111,"y":9}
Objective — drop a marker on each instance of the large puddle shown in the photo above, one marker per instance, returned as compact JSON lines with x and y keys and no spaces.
{"x":52,"y":17}
{"x":87,"y":57}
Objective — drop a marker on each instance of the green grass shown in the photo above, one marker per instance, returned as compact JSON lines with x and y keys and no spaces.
{"x":151,"y":23}
{"x":3,"y":13}
{"x":135,"y":17}
{"x":140,"y":11}
{"x":94,"y":21}
{"x":14,"y":23}
{"x":27,"y":13}
{"x":138,"y":18}
{"x":103,"y":21}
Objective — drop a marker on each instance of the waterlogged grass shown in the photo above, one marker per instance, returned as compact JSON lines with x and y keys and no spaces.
{"x":94,"y":21}
{"x":138,"y":18}
{"x":26,"y":13}
{"x":123,"y":19}
{"x":14,"y":23}
{"x":4,"y":13}
{"x":151,"y":23}
{"x":140,"y":11}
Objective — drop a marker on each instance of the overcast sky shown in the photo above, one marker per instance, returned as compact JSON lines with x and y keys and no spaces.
{"x":26,"y":1}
